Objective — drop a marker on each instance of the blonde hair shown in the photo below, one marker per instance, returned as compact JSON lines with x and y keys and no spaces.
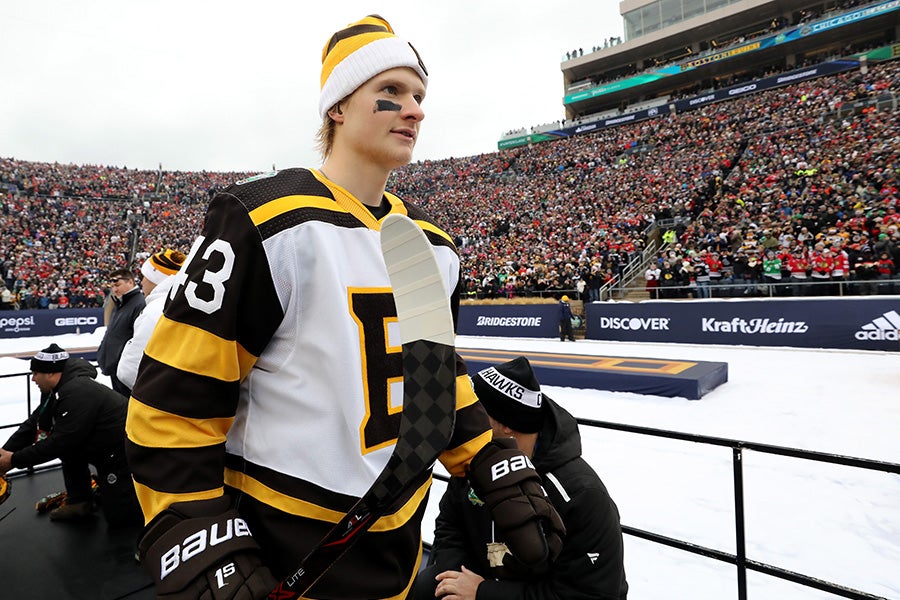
{"x":325,"y":137}
{"x":328,"y":130}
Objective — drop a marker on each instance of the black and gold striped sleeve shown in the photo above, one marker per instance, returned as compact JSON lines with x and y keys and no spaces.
{"x":221,"y":313}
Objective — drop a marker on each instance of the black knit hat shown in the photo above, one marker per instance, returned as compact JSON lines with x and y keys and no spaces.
{"x":49,"y":360}
{"x":511,"y":394}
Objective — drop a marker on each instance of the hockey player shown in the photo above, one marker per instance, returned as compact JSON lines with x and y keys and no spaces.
{"x":268,"y":398}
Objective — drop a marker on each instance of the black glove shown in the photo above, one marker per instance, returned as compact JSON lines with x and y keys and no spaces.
{"x":506,"y":480}
{"x":203,"y":550}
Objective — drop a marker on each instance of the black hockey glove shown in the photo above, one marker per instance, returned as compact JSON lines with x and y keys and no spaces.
{"x":203,"y":550}
{"x":506,"y":480}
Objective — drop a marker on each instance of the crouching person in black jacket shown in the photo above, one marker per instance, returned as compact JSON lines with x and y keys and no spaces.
{"x":81,"y":422}
{"x":470,"y":560}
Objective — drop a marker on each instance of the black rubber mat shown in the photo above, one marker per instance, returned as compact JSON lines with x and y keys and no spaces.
{"x":66,"y":561}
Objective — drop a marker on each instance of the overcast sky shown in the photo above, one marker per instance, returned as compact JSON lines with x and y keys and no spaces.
{"x":234,"y":85}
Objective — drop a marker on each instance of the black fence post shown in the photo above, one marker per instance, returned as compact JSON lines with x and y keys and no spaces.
{"x":739,"y":541}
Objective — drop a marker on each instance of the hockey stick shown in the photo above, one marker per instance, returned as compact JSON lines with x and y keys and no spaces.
{"x":429,"y":395}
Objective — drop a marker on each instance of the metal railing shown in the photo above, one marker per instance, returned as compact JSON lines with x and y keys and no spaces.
{"x":739,"y":558}
{"x":36,"y":469}
{"x":634,"y":269}
{"x":762,"y":289}
{"x":26,"y":376}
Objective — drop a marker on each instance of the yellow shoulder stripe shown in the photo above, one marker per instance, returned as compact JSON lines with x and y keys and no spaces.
{"x":426,"y":226}
{"x":279,"y":206}
{"x":195,"y":350}
{"x":160,"y":429}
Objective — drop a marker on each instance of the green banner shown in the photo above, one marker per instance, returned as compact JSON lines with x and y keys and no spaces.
{"x":611,"y":87}
{"x":883,"y":53}
{"x":524,"y":140}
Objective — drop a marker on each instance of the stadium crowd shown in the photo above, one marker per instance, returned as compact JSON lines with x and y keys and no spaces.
{"x":775,"y":187}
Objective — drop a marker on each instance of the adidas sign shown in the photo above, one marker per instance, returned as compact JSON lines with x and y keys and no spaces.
{"x":885,"y":327}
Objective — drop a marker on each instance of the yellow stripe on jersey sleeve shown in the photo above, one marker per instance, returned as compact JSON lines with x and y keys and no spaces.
{"x":456,"y":459}
{"x":308,"y":510}
{"x":153,"y":502}
{"x":279,"y":206}
{"x":161,"y":429}
{"x":465,"y":393}
{"x":198,"y":351}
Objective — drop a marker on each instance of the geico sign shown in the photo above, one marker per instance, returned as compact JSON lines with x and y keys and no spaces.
{"x":635,"y":323}
{"x":16,"y":323}
{"x":69,"y":321}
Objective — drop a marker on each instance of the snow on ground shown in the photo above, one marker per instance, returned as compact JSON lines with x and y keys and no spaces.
{"x":837,"y":523}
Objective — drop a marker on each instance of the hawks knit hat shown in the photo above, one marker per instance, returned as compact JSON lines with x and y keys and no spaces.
{"x":358,"y":53}
{"x":162,"y":264}
{"x":511,"y":394}
{"x":49,"y":360}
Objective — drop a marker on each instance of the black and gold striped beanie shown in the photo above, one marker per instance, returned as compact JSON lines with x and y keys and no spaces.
{"x":162,"y":264}
{"x":358,"y":53}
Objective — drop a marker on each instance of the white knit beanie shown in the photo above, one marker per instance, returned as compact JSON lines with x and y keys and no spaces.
{"x":358,"y":53}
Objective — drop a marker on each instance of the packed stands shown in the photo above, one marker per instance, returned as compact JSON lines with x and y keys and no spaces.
{"x":785,"y":171}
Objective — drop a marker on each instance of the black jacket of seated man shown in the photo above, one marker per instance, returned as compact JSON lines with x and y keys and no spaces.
{"x":591,"y":564}
{"x":81,"y":422}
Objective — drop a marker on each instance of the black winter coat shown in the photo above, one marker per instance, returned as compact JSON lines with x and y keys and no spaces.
{"x":81,"y":417}
{"x":119,"y":330}
{"x":591,"y":564}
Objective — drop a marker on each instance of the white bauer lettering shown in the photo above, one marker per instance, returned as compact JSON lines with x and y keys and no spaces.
{"x":196,"y":543}
{"x":509,"y":465}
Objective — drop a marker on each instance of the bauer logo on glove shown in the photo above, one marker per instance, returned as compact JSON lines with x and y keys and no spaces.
{"x":505,"y":467}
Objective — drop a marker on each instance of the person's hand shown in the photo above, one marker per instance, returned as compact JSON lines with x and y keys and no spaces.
{"x":457,"y":585}
{"x":5,"y":461}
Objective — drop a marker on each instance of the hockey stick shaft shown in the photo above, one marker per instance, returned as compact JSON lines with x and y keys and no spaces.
{"x":429,"y":376}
